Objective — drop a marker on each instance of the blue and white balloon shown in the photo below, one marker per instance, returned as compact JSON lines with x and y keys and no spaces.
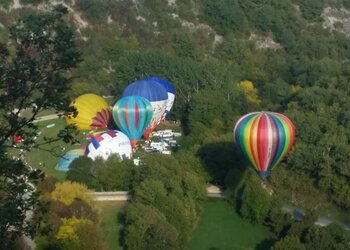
{"x":156,"y":94}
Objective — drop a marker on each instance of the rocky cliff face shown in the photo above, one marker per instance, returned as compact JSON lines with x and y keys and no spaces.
{"x":334,"y":18}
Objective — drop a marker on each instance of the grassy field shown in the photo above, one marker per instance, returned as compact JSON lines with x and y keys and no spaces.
{"x":221,"y":228}
{"x":28,"y":112}
{"x":109,"y":224}
{"x":45,"y":155}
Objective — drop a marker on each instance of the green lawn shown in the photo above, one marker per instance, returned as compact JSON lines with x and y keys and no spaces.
{"x":28,"y":113}
{"x":45,"y":155}
{"x":109,"y":223}
{"x":221,"y":228}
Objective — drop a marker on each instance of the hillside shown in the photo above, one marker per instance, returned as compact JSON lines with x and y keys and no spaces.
{"x":225,"y":58}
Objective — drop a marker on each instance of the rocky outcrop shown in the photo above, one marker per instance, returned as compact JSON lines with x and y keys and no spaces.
{"x":336,"y":20}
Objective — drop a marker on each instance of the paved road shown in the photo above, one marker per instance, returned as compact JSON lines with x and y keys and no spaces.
{"x":322,"y":221}
{"x":30,"y":243}
{"x":111,"y":196}
{"x":212,"y":191}
{"x":46,"y":118}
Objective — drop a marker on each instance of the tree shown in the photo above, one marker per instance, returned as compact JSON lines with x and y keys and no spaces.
{"x":46,"y":186}
{"x":320,"y":114}
{"x":247,"y":87}
{"x":289,"y":243}
{"x":276,"y":91}
{"x":312,"y":10}
{"x":68,"y":224}
{"x":80,"y":234}
{"x":5,"y":3}
{"x":90,"y":237}
{"x":68,"y":228}
{"x":67,"y":192}
{"x":278,"y":221}
{"x":78,"y":208}
{"x":33,"y":2}
{"x":185,"y":46}
{"x":82,"y":170}
{"x":321,"y":238}
{"x":150,"y":192}
{"x":224,"y":15}
{"x":165,"y":207}
{"x":214,"y":109}
{"x":16,"y":198}
{"x":110,"y":175}
{"x":115,"y":174}
{"x":95,"y":9}
{"x":149,"y":231}
{"x":34,"y":76}
{"x":255,"y":201}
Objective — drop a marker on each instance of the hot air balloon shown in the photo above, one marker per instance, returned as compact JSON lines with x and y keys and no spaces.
{"x":68,"y":158}
{"x":93,"y":133}
{"x":264,"y":138}
{"x":92,"y":112}
{"x":155,"y":93}
{"x":170,"y":90}
{"x":106,"y":144}
{"x":132,"y":114}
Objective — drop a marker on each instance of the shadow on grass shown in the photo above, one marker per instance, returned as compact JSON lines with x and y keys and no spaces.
{"x":223,"y":161}
{"x":121,"y":221}
{"x":265,"y":244}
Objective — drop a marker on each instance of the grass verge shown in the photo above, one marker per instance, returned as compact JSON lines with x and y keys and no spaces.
{"x":109,"y":222}
{"x":221,"y":228}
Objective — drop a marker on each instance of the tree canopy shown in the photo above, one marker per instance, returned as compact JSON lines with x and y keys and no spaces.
{"x":225,"y":58}
{"x":34,"y":75}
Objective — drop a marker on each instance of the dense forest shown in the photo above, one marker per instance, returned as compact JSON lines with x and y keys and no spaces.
{"x":225,"y":58}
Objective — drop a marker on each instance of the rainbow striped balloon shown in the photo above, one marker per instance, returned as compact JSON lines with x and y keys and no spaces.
{"x":65,"y":161}
{"x":132,"y":114}
{"x":264,"y":138}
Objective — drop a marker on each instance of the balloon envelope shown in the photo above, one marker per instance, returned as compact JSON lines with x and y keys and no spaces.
{"x":106,"y":144}
{"x":93,"y":133}
{"x":132,"y":114}
{"x":155,"y":94}
{"x":65,"y":161}
{"x":170,"y":90}
{"x":92,"y":113}
{"x":264,"y":138}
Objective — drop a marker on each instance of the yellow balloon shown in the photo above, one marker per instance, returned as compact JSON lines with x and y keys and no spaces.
{"x":93,"y":113}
